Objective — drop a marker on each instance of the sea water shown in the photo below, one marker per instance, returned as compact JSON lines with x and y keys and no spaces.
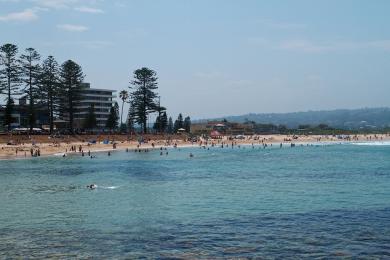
{"x":309,"y":201}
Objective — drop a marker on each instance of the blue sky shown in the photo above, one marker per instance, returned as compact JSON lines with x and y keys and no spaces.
{"x":219,"y":57}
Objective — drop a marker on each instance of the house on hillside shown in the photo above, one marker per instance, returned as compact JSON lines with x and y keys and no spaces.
{"x":223,"y":128}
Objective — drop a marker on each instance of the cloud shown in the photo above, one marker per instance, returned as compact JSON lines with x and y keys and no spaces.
{"x":69,"y":4}
{"x":308,"y":46}
{"x":55,"y":4}
{"x":72,"y":27}
{"x":27,"y":15}
{"x":315,"y":47}
{"x":90,"y":10}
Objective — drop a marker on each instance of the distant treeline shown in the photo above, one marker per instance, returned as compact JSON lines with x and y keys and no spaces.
{"x":365,"y":119}
{"x":321,"y":129}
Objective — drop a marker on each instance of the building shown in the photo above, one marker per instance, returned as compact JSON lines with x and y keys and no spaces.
{"x":20,"y":114}
{"x":223,"y":128}
{"x":101,"y":99}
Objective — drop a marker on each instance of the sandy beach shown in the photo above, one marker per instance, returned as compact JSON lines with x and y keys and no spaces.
{"x":18,"y":147}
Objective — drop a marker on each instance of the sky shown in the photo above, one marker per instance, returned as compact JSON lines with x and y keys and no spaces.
{"x":217,"y":58}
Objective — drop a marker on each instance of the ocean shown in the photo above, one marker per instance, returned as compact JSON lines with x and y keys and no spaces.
{"x":309,"y":201}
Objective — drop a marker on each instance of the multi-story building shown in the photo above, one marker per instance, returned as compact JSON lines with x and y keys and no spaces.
{"x":20,"y":114}
{"x":101,"y":99}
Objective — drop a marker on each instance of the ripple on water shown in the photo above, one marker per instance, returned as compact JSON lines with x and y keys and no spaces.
{"x":306,"y":202}
{"x":351,"y":234}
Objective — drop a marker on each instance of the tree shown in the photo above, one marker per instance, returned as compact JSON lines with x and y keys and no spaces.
{"x":161,"y":123}
{"x":71,"y":78}
{"x":156,"y":125}
{"x":187,"y":124}
{"x":323,"y":126}
{"x":90,"y":121}
{"x":178,"y":123}
{"x":123,"y":95}
{"x":8,"y":113}
{"x":9,"y":78}
{"x":30,"y":70}
{"x":303,"y":127}
{"x":282,"y":129}
{"x":159,"y":126}
{"x":144,"y":95}
{"x":112,"y":121}
{"x":161,"y":119}
{"x":164,"y":121}
{"x":130,"y":118}
{"x":49,"y":87}
{"x":170,"y":126}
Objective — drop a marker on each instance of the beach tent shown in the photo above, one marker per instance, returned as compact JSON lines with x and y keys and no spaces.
{"x":180,"y":130}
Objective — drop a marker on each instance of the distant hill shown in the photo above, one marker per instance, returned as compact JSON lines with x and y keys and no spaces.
{"x":340,"y":118}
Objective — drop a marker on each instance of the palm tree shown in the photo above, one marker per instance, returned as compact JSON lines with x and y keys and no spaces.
{"x":124,"y":95}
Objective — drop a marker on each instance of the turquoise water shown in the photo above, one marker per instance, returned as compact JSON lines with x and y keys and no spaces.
{"x":304,"y":202}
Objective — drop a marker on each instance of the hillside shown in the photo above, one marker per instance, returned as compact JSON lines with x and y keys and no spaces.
{"x":340,"y":118}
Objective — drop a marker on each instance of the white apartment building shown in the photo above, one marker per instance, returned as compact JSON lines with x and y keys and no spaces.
{"x":102,"y":99}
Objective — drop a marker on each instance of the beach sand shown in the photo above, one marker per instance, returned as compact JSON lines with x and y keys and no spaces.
{"x":19,"y":146}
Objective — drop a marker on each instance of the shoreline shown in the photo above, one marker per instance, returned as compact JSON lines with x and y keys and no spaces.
{"x":23,"y":151}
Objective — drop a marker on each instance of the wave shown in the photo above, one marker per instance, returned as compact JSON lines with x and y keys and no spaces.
{"x":109,"y":187}
{"x":375,"y":143}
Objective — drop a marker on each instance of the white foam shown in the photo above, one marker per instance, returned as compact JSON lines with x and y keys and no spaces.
{"x":110,"y":187}
{"x":376,"y":143}
{"x":59,"y":154}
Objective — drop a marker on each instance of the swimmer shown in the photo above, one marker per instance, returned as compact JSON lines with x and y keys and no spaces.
{"x":92,"y":186}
